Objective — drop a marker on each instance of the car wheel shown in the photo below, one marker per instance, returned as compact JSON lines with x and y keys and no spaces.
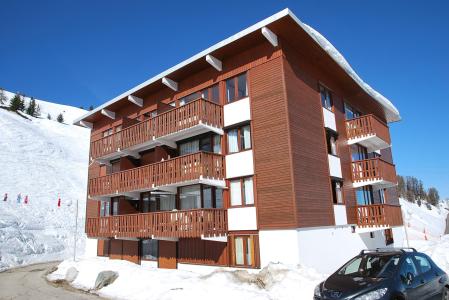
{"x":446,"y":293}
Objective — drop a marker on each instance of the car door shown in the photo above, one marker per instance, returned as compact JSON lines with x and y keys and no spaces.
{"x":429,"y":279}
{"x":411,"y":290}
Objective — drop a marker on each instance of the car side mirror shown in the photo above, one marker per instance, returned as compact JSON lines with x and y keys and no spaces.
{"x":410,"y":278}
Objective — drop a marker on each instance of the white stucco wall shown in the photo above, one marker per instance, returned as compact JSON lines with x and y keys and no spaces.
{"x":278,"y":246}
{"x":242,"y":218}
{"x":239,"y":164}
{"x":399,"y":237}
{"x":334,"y":166}
{"x":329,"y":119}
{"x":236,"y":112}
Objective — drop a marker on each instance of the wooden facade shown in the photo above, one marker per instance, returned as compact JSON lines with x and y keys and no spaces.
{"x":292,"y":182}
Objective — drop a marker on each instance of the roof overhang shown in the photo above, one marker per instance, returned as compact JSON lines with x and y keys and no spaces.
{"x":217,"y":50}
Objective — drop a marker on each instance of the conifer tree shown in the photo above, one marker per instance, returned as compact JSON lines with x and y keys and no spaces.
{"x":31,"y":109}
{"x":15,"y":103}
{"x":48,"y":116}
{"x":91,"y":107}
{"x":60,"y":118}
{"x":37,"y":113}
{"x":22,"y":103}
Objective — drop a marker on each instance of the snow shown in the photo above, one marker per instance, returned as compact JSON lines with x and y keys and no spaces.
{"x":41,"y":158}
{"x":276,"y":281}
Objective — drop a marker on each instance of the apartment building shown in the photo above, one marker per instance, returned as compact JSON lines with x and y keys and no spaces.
{"x":265,"y":147}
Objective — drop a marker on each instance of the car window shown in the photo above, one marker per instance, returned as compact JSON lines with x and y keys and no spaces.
{"x":423,"y":263}
{"x":371,"y":266}
{"x":408,"y":266}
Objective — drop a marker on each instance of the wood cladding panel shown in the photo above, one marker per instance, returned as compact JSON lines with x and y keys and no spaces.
{"x":274,"y":188}
{"x":167,"y":255}
{"x":309,"y":152}
{"x":198,"y":251}
{"x":125,"y":250}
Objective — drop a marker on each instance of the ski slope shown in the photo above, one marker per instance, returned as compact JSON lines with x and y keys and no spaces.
{"x":41,"y":158}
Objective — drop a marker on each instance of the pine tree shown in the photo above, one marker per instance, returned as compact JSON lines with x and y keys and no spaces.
{"x":60,"y":118}
{"x":22,"y":103}
{"x":433,"y":197}
{"x":91,"y":107}
{"x":15,"y":103}
{"x":49,"y":116}
{"x":2,"y":96}
{"x":31,"y":109}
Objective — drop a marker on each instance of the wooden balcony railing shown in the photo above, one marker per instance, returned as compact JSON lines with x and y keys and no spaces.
{"x":176,"y":170}
{"x":379,"y":215}
{"x":367,"y":125}
{"x":172,"y":121}
{"x":374,"y":169}
{"x":168,"y":224}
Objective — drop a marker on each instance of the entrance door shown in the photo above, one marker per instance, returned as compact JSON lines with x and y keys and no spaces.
{"x":167,"y":255}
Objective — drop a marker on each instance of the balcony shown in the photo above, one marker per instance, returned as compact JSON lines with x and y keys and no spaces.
{"x":200,"y":167}
{"x":196,"y":223}
{"x":369,"y":132}
{"x":375,"y":172}
{"x":194,"y":118}
{"x":379,"y":215}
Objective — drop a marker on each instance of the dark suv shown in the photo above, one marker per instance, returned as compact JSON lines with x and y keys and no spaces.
{"x":396,"y":274}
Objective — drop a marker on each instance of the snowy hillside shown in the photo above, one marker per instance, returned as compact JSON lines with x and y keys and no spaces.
{"x":41,"y":158}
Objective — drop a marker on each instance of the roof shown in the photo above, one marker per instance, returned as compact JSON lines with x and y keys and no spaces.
{"x":391,"y":112}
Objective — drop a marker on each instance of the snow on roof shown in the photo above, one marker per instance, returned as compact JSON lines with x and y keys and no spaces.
{"x":392,"y":112}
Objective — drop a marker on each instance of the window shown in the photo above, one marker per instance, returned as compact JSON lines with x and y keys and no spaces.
{"x":115,"y":207}
{"x":358,"y":152}
{"x":337,"y":193}
{"x":207,"y":143}
{"x":408,"y":266}
{"x":200,"y":196}
{"x":239,"y":139}
{"x":149,"y":249}
{"x":244,"y":250}
{"x":212,"y":94}
{"x":388,"y":236}
{"x":236,"y":88}
{"x":351,"y":113}
{"x":326,"y":97}
{"x":364,"y":195}
{"x":105,"y":208}
{"x":190,"y":197}
{"x":149,"y":115}
{"x":107,"y":132}
{"x":379,"y":196}
{"x":424,"y":263}
{"x":115,"y":166}
{"x":331,"y":139}
{"x":242,"y":191}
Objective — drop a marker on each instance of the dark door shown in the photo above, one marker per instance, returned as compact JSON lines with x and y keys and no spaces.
{"x":429,"y":278}
{"x":412,"y":289}
{"x":167,"y":255}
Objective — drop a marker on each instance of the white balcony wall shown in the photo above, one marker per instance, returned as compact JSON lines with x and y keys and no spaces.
{"x":340,"y":215}
{"x":329,"y":119}
{"x":242,"y":218}
{"x":236,"y":112}
{"x":239,"y":164}
{"x":334,"y":166}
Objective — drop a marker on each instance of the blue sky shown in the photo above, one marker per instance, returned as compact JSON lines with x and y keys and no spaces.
{"x":87,"y":52}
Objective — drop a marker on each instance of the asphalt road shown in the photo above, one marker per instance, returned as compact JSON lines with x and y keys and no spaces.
{"x":29,"y":283}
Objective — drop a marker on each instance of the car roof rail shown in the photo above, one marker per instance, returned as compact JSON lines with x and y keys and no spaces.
{"x":391,"y":249}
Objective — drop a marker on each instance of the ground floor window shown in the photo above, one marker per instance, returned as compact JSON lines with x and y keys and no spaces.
{"x":244,"y":250}
{"x":389,"y":236}
{"x":149,"y":249}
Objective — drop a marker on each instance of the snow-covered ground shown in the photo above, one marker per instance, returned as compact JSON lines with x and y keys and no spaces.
{"x":41,"y":158}
{"x":275,"y":281}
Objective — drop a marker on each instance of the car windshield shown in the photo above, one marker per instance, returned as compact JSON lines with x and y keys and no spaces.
{"x":371,"y":265}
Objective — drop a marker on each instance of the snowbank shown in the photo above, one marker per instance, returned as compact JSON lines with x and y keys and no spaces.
{"x":276,"y":281}
{"x":423,"y":223}
{"x":41,"y":158}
